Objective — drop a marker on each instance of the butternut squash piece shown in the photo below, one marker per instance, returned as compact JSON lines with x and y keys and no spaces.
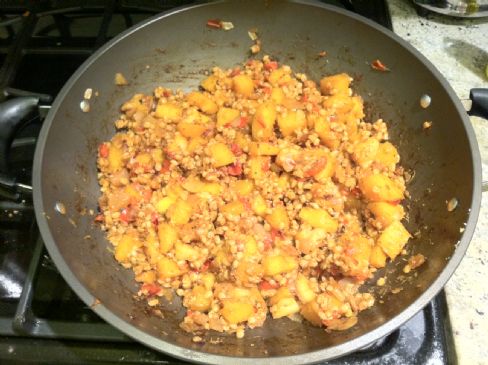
{"x":291,"y":122}
{"x":263,"y":149}
{"x":386,"y":213}
{"x":318,"y":218}
{"x":221,"y":155}
{"x":387,"y":155}
{"x":234,"y":208}
{"x":250,"y":247}
{"x":335,"y":84}
{"x":235,"y":311}
{"x":304,"y":290}
{"x":180,"y":212}
{"x":167,"y":268}
{"x":125,"y":247}
{"x":393,"y":239}
{"x":279,"y":76}
{"x":256,"y":166}
{"x":285,"y":307}
{"x":378,"y":187}
{"x":277,"y":95}
{"x":167,"y":235}
{"x":199,"y":299}
{"x":278,"y":219}
{"x":186,"y":252}
{"x":226,"y":116}
{"x":263,"y":122}
{"x":191,"y":130}
{"x":178,"y":144}
{"x":258,"y":205}
{"x":168,"y":111}
{"x":210,"y":83}
{"x":310,"y":311}
{"x":114,"y":158}
{"x":378,"y":257}
{"x":279,"y":264}
{"x":202,"y":102}
{"x":243,"y":187}
{"x":148,"y":277}
{"x":243,"y":85}
{"x":308,"y":240}
{"x":195,"y":143}
{"x":327,"y":137}
{"x":195,"y":185}
{"x":163,"y":204}
{"x":327,"y":170}
{"x":365,"y":152}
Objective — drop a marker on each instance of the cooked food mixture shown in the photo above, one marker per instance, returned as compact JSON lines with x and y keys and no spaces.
{"x":263,"y":194}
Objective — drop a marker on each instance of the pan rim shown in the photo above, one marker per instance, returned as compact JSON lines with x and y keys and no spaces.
{"x":308,"y":357}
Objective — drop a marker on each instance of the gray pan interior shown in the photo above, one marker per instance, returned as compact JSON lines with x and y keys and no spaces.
{"x":174,"y":50}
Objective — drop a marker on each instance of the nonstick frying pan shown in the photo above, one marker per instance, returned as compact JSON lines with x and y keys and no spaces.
{"x":174,"y":49}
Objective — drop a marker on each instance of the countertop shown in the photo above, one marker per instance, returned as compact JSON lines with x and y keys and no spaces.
{"x":459,"y":49}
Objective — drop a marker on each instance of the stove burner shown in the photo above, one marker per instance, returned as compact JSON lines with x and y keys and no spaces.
{"x":41,"y":45}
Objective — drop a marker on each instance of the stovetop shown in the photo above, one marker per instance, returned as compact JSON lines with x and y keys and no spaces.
{"x":41,"y":319}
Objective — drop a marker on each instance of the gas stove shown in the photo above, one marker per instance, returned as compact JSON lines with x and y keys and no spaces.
{"x":41,"y":319}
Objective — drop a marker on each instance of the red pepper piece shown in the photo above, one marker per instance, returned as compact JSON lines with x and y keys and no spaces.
{"x":270,"y":66}
{"x":316,"y":167}
{"x":214,"y":23}
{"x":379,"y":66}
{"x":266,"y":285}
{"x":103,"y":150}
{"x":152,"y":289}
{"x":235,"y":169}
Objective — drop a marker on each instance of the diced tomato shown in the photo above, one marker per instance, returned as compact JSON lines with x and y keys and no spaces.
{"x":235,"y":169}
{"x":245,"y":202}
{"x":169,"y":154}
{"x":267,"y":90}
{"x":154,"y":218}
{"x":268,"y":243}
{"x":205,"y":265}
{"x":126,"y":215}
{"x":147,"y":194}
{"x":276,"y":234}
{"x":266,"y":285}
{"x":214,"y":23}
{"x":266,"y":165}
{"x":236,"y":71}
{"x":236,"y":150}
{"x":103,"y":150}
{"x":379,"y":66}
{"x":316,"y":167}
{"x":165,"y":166}
{"x":243,"y":121}
{"x":152,"y":289}
{"x":99,"y":218}
{"x":356,"y":192}
{"x":270,"y":66}
{"x":166,"y":92}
